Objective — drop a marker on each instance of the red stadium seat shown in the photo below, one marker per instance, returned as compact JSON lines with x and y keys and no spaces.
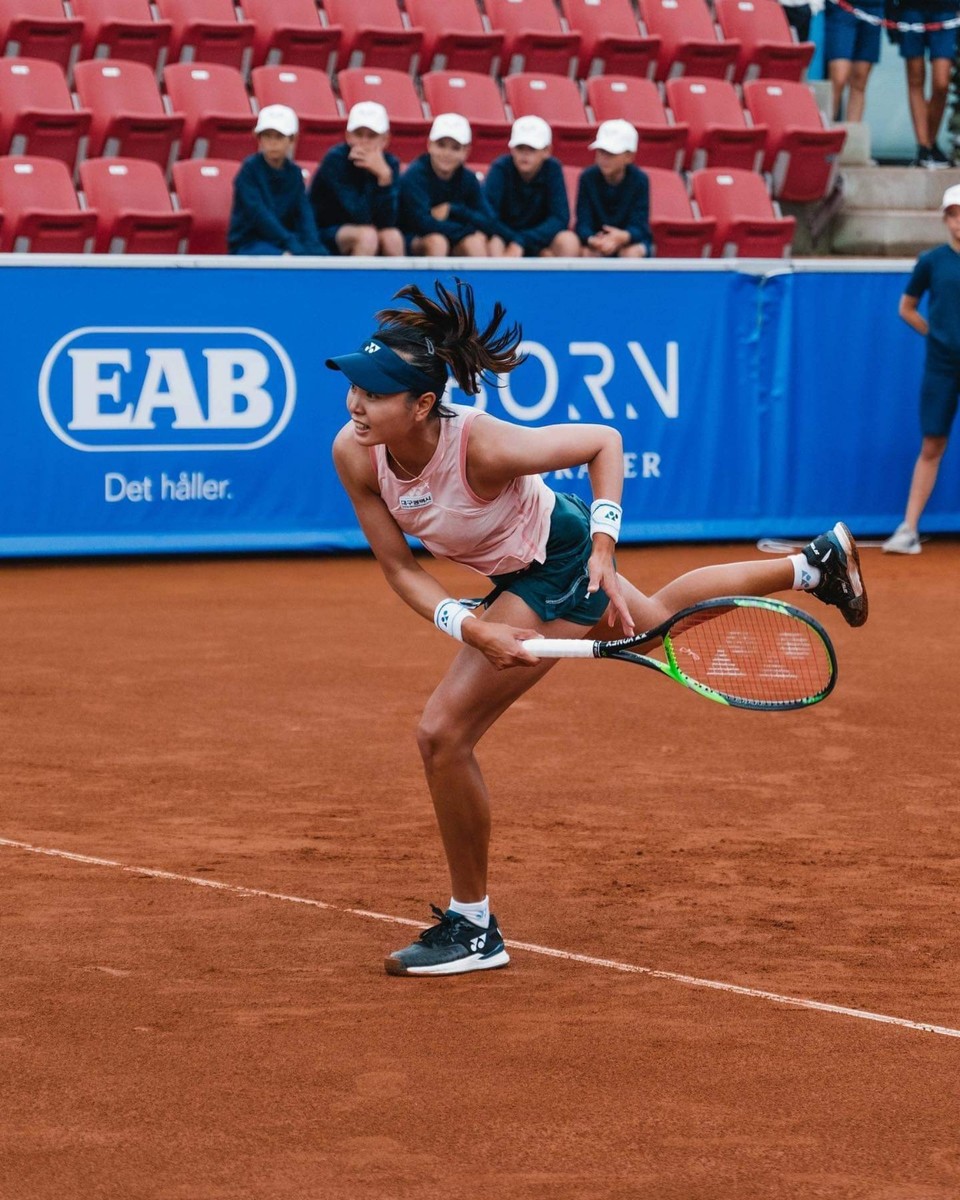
{"x":219,"y":120}
{"x":122,"y":29}
{"x":208,"y":31}
{"x":766,"y":40}
{"x":556,"y":99}
{"x":128,"y":117}
{"x":396,"y":92}
{"x":476,"y":97}
{"x":677,"y":231}
{"x":610,"y":38}
{"x":720,"y":135}
{"x":291,"y":32}
{"x":455,"y":37}
{"x":37,"y":116}
{"x":689,"y":42}
{"x":135,"y":213}
{"x":619,"y":97}
{"x":309,"y":93}
{"x":374,"y":34}
{"x":39,"y":29}
{"x":204,"y":186}
{"x":748,"y":223}
{"x":802,"y":155}
{"x":534,"y":37}
{"x":41,"y":209}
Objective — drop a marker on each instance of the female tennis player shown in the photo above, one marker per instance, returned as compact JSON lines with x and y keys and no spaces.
{"x":469,"y":486}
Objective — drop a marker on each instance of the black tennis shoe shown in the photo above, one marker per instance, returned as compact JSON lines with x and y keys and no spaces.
{"x":838,"y":558}
{"x":453,"y":946}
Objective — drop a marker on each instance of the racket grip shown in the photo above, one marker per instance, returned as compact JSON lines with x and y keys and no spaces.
{"x":560,"y":647}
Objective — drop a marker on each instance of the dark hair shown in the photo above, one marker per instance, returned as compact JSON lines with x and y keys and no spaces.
{"x":434,"y":336}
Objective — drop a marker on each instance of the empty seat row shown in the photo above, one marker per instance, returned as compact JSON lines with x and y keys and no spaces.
{"x":128,"y":208}
{"x":209,"y":114}
{"x":750,"y":37}
{"x":727,"y":212}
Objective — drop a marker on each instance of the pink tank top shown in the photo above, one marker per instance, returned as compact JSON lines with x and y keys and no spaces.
{"x":439,"y":507}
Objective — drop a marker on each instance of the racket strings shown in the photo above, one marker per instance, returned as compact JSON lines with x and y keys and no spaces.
{"x":754,"y":654}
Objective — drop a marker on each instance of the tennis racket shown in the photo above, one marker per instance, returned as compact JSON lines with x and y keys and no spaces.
{"x":743,"y":651}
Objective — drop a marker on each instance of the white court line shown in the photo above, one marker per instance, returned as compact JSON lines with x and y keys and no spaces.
{"x":588,"y":960}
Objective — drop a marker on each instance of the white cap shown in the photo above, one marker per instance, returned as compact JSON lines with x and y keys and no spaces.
{"x":368,"y":114}
{"x":531,"y":131}
{"x":451,"y":125}
{"x":278,"y":117}
{"x":615,"y":137}
{"x":950,"y":197}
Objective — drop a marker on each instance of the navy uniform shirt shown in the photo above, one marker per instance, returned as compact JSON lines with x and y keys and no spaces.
{"x":421,"y":189}
{"x":533,"y":211}
{"x":342,"y":193}
{"x":937,"y":271}
{"x":623,"y":205}
{"x":270,"y":205}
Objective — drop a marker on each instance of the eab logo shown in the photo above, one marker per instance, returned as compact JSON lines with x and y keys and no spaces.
{"x":155,"y":388}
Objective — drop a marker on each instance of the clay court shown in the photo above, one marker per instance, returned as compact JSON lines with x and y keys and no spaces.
{"x":214,"y":828}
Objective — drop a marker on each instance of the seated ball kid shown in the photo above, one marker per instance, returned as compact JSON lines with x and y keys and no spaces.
{"x":356,"y":189}
{"x":271,"y":213}
{"x":613,"y":199}
{"x":526,"y":193}
{"x":442,"y":208}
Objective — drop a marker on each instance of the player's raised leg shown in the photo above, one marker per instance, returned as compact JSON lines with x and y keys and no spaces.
{"x":829,"y":568}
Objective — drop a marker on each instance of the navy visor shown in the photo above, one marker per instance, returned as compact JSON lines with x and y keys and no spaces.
{"x":378,"y":369}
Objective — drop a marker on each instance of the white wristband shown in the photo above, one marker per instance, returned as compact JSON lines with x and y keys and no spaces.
{"x":605,"y":517}
{"x":449,"y":616}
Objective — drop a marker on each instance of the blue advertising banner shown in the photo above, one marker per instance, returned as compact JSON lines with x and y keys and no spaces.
{"x":184,"y":405}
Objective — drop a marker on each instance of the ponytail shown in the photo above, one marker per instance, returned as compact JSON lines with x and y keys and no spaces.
{"x":435,"y":335}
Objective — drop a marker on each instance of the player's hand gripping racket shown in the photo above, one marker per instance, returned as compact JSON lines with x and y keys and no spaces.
{"x":744,"y":651}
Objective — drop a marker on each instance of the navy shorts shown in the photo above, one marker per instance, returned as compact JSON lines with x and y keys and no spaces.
{"x":939,"y":392}
{"x":558,"y":587}
{"x":934,"y":43}
{"x":845,"y":36}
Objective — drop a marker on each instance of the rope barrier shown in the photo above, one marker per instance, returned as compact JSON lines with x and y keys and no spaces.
{"x":900,"y":26}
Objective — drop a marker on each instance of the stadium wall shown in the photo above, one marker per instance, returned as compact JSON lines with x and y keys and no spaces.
{"x":182,"y":405}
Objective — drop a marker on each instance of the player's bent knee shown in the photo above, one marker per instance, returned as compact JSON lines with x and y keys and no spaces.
{"x":438,"y":740}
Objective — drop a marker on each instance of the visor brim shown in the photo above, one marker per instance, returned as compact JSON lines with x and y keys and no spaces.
{"x":362,"y":371}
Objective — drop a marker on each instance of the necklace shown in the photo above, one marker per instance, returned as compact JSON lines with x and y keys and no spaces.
{"x":406,"y":470}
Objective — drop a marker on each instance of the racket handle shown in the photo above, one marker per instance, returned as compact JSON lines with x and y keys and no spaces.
{"x":560,"y":647}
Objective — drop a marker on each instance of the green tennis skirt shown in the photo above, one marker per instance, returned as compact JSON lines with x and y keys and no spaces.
{"x":557,"y":588}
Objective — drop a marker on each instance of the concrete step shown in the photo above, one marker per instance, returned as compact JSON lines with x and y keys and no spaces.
{"x":896,"y":187}
{"x":903,"y":233}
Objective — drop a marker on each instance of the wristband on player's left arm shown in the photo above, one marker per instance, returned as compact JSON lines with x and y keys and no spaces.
{"x":606,"y":517}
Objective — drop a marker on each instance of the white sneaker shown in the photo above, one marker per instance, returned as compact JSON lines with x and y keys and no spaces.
{"x":905,"y":540}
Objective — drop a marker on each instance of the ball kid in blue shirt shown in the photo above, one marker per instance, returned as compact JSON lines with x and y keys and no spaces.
{"x":526,"y":192}
{"x":937,"y":275}
{"x":355,"y":192}
{"x":613,"y":199}
{"x":442,"y":208}
{"x":271,"y":214}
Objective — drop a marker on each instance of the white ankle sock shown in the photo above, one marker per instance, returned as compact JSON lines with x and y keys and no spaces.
{"x":805,"y":577}
{"x":477,"y":911}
